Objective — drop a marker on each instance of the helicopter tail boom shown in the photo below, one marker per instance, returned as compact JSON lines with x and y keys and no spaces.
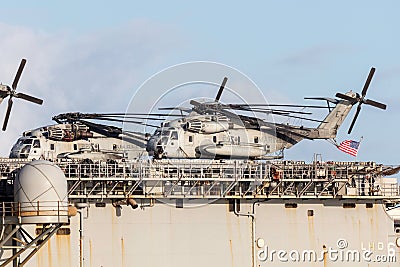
{"x":329,"y":127}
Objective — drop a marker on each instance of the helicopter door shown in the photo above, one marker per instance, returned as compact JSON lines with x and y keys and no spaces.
{"x":174,"y":142}
{"x":169,"y":143}
{"x":36,"y":151}
{"x":162,"y":142}
{"x":174,"y":135}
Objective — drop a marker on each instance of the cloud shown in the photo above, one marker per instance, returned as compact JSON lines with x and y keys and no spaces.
{"x":90,"y":72}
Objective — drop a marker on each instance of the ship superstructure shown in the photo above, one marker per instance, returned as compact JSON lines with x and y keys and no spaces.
{"x":218,"y":213}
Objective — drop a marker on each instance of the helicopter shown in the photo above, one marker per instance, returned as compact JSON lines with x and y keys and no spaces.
{"x":215,"y":130}
{"x":7,"y":91}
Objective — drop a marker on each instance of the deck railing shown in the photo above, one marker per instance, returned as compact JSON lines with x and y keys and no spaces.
{"x":226,"y":179}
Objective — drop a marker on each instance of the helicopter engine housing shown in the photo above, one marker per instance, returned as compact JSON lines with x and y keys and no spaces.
{"x":207,"y":127}
{"x":69,"y":132}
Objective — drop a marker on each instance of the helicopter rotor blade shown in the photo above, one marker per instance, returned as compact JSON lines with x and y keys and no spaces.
{"x":10,"y":103}
{"x":123,"y":121}
{"x":355,"y":118}
{"x":221,"y":89}
{"x":284,"y":114}
{"x":328,"y":99}
{"x":346,"y":97}
{"x":29,"y":98}
{"x":298,"y":117}
{"x":187,"y":110}
{"x":18,"y":75}
{"x":375,"y":104}
{"x":11,"y":93}
{"x":268,"y":110}
{"x":125,"y":118}
{"x":275,"y":105}
{"x":361,"y":99}
{"x":367,"y":82}
{"x":141,"y":114}
{"x":121,"y":117}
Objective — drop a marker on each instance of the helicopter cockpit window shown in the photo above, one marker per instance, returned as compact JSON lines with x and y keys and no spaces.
{"x":19,"y":142}
{"x":36,"y":144}
{"x":27,"y":141}
{"x":26,"y":150}
{"x":165,"y":133}
{"x":174,"y":135}
{"x":164,"y":140}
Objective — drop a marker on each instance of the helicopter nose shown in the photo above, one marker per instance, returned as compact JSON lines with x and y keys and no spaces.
{"x":154,"y":147}
{"x":159,"y":146}
{"x":158,"y":151}
{"x":151,"y":144}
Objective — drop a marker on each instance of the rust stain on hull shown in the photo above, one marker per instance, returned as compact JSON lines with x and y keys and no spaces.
{"x":122,"y":252}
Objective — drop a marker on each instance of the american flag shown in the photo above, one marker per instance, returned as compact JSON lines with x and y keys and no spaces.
{"x":349,"y":147}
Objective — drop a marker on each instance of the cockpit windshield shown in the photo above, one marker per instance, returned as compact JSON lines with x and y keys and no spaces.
{"x":27,"y":141}
{"x":19,"y":142}
{"x":174,"y":135}
{"x":166,"y":133}
{"x":36,"y":143}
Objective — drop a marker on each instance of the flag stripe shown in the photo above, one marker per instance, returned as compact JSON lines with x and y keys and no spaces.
{"x":350,"y":147}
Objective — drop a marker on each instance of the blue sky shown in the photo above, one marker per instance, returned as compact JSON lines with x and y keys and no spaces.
{"x":91,"y":57}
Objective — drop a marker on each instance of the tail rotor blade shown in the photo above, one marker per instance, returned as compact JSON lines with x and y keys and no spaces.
{"x":18,"y":75}
{"x":361,"y":99}
{"x":221,"y":89}
{"x":11,"y":93}
{"x":355,"y":118}
{"x":367,"y":82}
{"x":10,"y":103}
{"x":29,"y":98}
{"x":375,"y":104}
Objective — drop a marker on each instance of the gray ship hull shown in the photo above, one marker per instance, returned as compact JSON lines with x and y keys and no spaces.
{"x":213,"y":235}
{"x":245,"y":214}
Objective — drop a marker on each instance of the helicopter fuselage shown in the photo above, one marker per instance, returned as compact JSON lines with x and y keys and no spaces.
{"x":211,"y":136}
{"x":71,"y":141}
{"x":227,"y":135}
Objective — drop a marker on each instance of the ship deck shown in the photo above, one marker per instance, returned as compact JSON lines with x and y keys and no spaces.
{"x":219,"y":179}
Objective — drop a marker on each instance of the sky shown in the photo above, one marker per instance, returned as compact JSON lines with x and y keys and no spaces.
{"x":92,"y":56}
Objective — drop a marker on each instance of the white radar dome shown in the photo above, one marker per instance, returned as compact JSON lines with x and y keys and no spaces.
{"x":40,"y":193}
